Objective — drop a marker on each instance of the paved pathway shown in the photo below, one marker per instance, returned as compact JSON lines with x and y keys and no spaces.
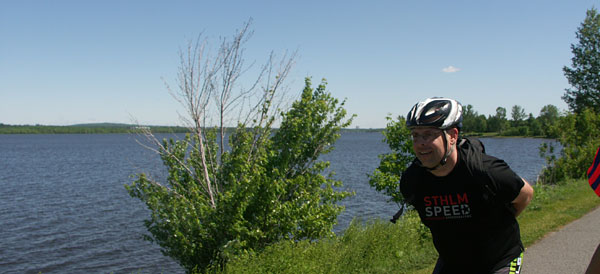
{"x":567,"y":251}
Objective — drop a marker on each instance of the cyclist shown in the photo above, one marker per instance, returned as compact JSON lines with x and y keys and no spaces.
{"x":468,"y":199}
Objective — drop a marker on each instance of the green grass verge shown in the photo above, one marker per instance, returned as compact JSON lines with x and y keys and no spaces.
{"x":381,"y":247}
{"x":554,"y":206}
{"x":374,"y":247}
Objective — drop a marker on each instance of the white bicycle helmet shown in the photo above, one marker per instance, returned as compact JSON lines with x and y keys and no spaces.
{"x":442,"y":113}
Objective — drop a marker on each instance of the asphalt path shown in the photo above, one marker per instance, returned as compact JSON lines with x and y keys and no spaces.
{"x":567,"y":250}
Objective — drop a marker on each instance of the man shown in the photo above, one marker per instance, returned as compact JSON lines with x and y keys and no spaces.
{"x":469,"y":200}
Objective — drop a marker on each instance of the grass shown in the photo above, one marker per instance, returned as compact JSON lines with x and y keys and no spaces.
{"x":375,"y":247}
{"x":381,"y":247}
{"x":554,"y":206}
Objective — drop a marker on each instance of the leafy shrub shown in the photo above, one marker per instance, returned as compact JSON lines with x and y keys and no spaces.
{"x":386,"y":177}
{"x":580,"y":138}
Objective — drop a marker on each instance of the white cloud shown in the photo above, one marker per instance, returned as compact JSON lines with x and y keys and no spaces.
{"x":450,"y":69}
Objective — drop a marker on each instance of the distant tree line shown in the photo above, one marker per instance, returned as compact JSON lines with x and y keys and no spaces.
{"x":90,"y":129}
{"x":519,"y":123}
{"x":113,"y":129}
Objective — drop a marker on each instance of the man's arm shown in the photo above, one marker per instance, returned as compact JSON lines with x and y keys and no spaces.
{"x":523,"y":199}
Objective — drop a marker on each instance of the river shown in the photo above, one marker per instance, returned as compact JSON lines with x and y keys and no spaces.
{"x":63,"y":207}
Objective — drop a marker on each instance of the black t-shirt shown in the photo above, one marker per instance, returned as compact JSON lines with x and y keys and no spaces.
{"x":473,"y":230}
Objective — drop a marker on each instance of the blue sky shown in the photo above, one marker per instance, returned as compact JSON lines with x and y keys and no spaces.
{"x":70,"y":62}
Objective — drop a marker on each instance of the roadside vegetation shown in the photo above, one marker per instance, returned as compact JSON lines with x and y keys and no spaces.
{"x":378,"y":246}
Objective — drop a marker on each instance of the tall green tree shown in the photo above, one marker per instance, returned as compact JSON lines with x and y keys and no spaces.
{"x":268,"y":186}
{"x":584,"y":73}
{"x":517,"y":115}
{"x":548,"y":115}
{"x":498,"y":122}
{"x":501,"y":113}
{"x":548,"y":119}
{"x":534,"y":126}
{"x":481,"y":123}
{"x":472,"y":121}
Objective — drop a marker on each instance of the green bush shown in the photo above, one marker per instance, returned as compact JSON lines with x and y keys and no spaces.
{"x":386,"y":177}
{"x":268,"y":187}
{"x":579,"y":138}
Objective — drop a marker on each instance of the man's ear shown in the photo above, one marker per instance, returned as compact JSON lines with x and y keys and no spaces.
{"x":453,"y":132}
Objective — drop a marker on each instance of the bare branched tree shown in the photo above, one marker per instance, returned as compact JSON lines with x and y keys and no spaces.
{"x":208,"y":89}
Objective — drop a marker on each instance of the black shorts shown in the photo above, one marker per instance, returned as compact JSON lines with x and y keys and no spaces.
{"x":513,"y":267}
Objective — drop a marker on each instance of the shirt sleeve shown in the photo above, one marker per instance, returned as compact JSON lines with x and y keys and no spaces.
{"x":406,"y":183}
{"x":403,"y":185}
{"x":508,"y":183}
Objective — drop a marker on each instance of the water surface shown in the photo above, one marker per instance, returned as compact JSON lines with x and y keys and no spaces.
{"x":63,"y":207}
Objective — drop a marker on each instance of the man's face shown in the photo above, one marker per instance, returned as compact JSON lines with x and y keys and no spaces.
{"x":428,"y":145}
